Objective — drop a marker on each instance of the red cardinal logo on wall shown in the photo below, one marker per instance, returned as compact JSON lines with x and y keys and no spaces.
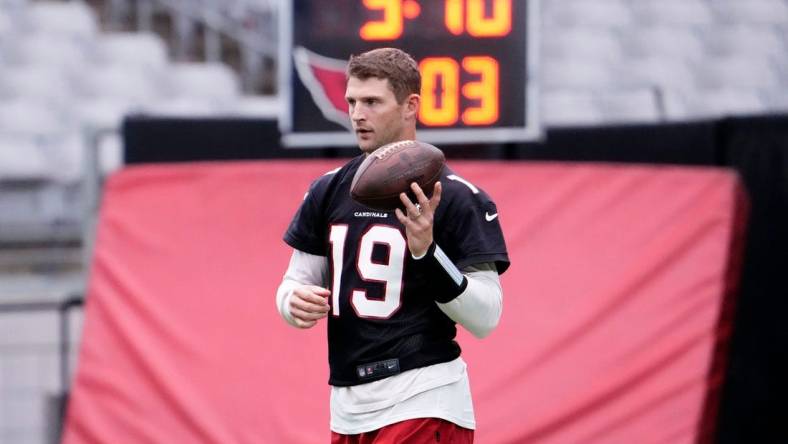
{"x":324,"y":77}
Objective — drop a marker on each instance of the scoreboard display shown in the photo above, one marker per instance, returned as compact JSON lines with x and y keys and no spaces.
{"x":477,"y":60}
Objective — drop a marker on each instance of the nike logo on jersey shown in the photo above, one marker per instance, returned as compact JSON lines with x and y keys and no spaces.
{"x":490,"y":217}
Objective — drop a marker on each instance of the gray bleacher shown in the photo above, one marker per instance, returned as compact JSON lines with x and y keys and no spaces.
{"x":60,"y":76}
{"x":63,"y":74}
{"x":620,"y":61}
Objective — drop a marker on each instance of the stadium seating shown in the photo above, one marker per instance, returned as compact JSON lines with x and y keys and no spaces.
{"x":56,"y":54}
{"x":601,"y":61}
{"x":61,"y":76}
{"x":687,"y":50}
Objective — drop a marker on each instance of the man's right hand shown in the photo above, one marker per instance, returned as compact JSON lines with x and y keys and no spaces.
{"x":308,"y":304}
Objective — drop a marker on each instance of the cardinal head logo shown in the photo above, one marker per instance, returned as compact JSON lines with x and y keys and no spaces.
{"x":324,"y":78}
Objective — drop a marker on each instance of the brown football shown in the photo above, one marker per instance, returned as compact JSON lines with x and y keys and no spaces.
{"x":389,"y":171}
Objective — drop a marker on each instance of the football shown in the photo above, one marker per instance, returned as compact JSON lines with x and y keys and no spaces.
{"x":389,"y":171}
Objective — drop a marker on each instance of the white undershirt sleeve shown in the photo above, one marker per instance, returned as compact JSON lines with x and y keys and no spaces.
{"x":304,"y":269}
{"x":479,"y":307}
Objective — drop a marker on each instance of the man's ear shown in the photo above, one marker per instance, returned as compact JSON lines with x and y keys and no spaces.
{"x":412,"y":104}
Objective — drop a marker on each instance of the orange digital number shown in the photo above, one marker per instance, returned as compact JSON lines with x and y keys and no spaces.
{"x":462,"y":15}
{"x":485,"y":90}
{"x":389,"y":27}
{"x":440,"y":91}
{"x":454,"y":16}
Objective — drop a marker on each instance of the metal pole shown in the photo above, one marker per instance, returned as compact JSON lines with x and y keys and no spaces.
{"x":91,"y":178}
{"x":213,"y":45}
{"x":144,"y":15}
{"x":65,"y":339}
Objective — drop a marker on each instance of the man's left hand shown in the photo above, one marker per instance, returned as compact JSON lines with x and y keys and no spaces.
{"x":418,"y":220}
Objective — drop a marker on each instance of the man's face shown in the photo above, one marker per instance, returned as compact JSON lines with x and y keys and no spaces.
{"x":376,"y":116}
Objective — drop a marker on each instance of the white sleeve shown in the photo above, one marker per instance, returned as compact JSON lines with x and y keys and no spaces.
{"x":479,"y":307}
{"x":304,"y":269}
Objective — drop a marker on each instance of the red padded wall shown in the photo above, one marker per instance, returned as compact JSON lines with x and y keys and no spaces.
{"x":611,"y":332}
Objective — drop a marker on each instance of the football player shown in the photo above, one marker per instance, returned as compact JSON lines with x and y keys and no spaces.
{"x":393,"y":285}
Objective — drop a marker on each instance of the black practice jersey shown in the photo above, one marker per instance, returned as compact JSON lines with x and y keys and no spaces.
{"x":383,"y":317}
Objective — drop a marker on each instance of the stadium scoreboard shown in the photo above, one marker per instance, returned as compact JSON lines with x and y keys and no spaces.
{"x":477,"y":59}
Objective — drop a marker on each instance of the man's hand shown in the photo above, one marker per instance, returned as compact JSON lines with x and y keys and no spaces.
{"x":308,"y":304}
{"x":419,"y":220}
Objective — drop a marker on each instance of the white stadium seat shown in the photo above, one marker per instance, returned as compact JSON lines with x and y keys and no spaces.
{"x":745,"y":39}
{"x":583,"y":108}
{"x":47,"y":50}
{"x":182,"y":107}
{"x":737,"y":72}
{"x":7,"y":26}
{"x":66,"y":155}
{"x":266,"y":107}
{"x":141,"y":49}
{"x":657,"y":72}
{"x":35,"y":82}
{"x":21,"y":158}
{"x":580,"y":43}
{"x":133,"y":84}
{"x":569,"y":108}
{"x":212,"y":81}
{"x":72,"y":19}
{"x":776,"y":101}
{"x":676,"y":12}
{"x":583,"y":12}
{"x":110,"y":151}
{"x":601,"y":61}
{"x":629,"y":106}
{"x":103,"y":112}
{"x":712,"y":103}
{"x":669,"y":41}
{"x":30,"y":118}
{"x":574,"y":73}
{"x":755,"y":12}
